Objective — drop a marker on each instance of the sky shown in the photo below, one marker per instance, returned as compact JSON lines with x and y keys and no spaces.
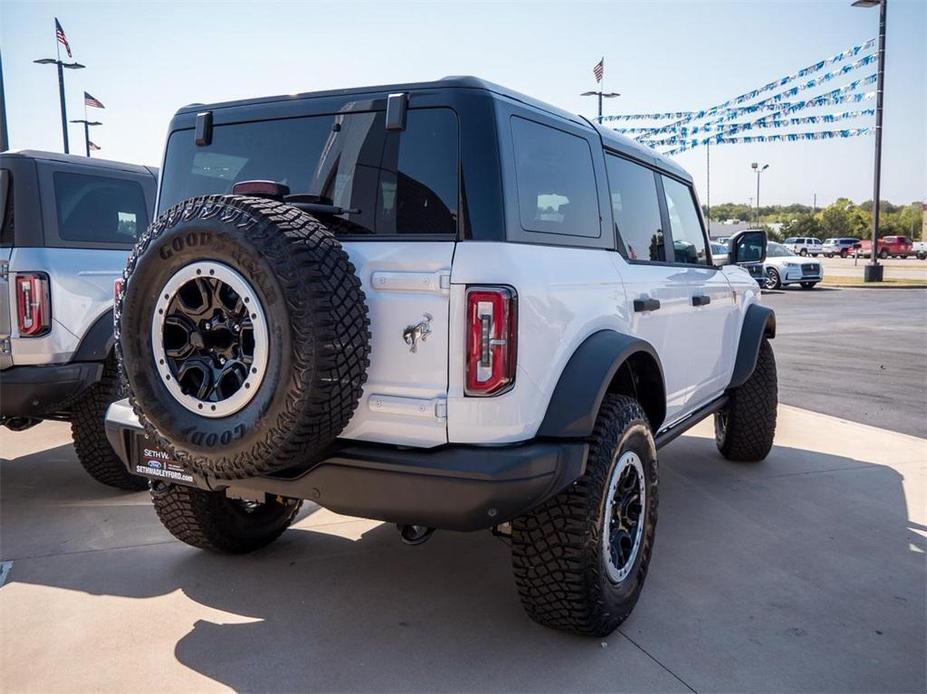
{"x":146,"y":59}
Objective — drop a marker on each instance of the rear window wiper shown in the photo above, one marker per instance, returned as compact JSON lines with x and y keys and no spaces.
{"x":310,"y":202}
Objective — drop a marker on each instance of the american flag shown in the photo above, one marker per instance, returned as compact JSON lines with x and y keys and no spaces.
{"x":91,"y":101}
{"x":62,"y":39}
{"x":93,"y":146}
{"x":599,"y":70}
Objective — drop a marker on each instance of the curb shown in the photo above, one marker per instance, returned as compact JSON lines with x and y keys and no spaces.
{"x":873,"y":285}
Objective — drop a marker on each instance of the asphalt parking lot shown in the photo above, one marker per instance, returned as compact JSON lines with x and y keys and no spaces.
{"x":859,"y":354}
{"x":803,"y":573}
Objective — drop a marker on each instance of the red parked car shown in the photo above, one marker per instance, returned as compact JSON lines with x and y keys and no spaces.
{"x":894,"y":246}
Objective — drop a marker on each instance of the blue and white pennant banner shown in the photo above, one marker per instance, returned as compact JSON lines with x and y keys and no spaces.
{"x":748,"y":96}
{"x":721,"y":139}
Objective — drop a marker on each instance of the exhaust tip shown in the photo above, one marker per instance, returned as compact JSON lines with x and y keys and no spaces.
{"x":415,"y":534}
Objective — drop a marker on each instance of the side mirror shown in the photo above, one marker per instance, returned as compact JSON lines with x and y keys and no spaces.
{"x":748,"y":247}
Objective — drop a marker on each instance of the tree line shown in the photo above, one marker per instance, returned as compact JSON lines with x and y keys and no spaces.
{"x":843,"y":217}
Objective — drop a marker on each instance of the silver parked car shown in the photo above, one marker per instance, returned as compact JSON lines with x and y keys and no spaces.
{"x":68,"y":223}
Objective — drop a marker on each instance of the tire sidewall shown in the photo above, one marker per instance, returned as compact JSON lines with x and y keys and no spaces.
{"x":183,"y":243}
{"x":773,"y":280}
{"x":617,"y":597}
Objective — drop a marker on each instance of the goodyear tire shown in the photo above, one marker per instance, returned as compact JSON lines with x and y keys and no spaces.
{"x":746,"y":427}
{"x":244,"y":335}
{"x":580,"y":559}
{"x":214,"y":522}
{"x":93,"y":450}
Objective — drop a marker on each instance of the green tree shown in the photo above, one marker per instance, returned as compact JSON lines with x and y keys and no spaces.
{"x":842,"y":218}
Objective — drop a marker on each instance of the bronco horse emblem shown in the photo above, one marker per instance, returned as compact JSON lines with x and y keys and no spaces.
{"x":417,"y":332}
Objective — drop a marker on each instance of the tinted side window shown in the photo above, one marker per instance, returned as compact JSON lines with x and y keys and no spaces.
{"x":636,"y":209}
{"x":99,"y":209}
{"x":688,"y":238}
{"x":556,"y":182}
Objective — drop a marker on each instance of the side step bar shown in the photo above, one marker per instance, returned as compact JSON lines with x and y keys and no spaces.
{"x":667,"y":435}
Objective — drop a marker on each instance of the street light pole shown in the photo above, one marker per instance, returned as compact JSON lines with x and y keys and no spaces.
{"x":4,"y":133}
{"x":759,"y":169}
{"x":64,"y":111}
{"x":873,"y":272}
{"x":601,"y":95}
{"x":87,"y":125}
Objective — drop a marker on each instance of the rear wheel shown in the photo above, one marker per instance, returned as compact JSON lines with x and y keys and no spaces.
{"x":803,"y":252}
{"x":883,"y":254}
{"x":808,"y":285}
{"x":212,"y":521}
{"x":93,"y":450}
{"x":844,"y":253}
{"x":746,"y":427}
{"x":580,"y":559}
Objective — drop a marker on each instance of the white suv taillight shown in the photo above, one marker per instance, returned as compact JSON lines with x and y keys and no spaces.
{"x":492,"y":330}
{"x":33,"y":307}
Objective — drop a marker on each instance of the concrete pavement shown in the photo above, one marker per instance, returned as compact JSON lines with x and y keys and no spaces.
{"x":806,"y":572}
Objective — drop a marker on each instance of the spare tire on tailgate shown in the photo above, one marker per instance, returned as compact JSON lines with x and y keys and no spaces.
{"x":244,"y":335}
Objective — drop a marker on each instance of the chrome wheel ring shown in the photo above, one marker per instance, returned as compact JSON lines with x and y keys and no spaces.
{"x":625,"y":516}
{"x":209,"y":339}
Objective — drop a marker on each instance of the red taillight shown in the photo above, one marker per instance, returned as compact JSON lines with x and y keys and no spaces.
{"x":492,"y":329}
{"x":33,"y":308}
{"x":117,"y":289}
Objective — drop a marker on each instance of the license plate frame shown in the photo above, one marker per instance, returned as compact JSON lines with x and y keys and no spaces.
{"x":152,"y":461}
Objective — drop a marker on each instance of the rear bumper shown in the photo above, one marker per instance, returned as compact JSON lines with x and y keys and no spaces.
{"x":37,"y":391}
{"x":454,"y":487}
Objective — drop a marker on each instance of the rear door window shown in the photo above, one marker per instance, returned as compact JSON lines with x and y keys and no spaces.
{"x":392,"y":182}
{"x":635,"y":209}
{"x":99,"y":209}
{"x":555,"y":180}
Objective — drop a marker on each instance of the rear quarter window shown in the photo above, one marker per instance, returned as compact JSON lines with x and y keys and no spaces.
{"x":99,"y":209}
{"x":555,"y":180}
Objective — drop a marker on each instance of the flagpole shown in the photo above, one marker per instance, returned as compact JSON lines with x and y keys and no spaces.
{"x":86,"y":130}
{"x":64,"y":110}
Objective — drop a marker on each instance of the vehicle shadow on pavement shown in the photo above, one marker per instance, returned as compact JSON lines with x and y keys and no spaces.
{"x":799,"y":573}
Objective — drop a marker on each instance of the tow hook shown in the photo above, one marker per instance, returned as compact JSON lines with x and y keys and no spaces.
{"x":415,"y":534}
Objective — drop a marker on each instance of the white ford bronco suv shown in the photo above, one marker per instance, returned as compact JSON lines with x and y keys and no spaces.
{"x":68,"y":224}
{"x":441,"y":305}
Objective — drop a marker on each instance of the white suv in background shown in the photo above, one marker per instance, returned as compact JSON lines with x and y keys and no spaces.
{"x":441,"y":305}
{"x":804,"y":245}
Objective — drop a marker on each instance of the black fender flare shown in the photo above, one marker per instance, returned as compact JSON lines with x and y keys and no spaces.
{"x":574,"y":405}
{"x":759,"y":322}
{"x":98,"y":341}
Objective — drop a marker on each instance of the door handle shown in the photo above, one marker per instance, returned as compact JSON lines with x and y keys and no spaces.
{"x":701,"y":300}
{"x":646,"y":305}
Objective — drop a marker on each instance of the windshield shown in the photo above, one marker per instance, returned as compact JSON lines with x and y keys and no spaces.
{"x":777,"y":250}
{"x":398,"y":182}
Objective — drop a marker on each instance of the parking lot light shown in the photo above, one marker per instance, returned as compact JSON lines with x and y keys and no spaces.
{"x":64,"y":112}
{"x":873,"y":271}
{"x":759,"y":169}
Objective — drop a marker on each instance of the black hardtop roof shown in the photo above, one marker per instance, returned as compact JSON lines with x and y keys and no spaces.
{"x":611,"y":139}
{"x":80,"y":159}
